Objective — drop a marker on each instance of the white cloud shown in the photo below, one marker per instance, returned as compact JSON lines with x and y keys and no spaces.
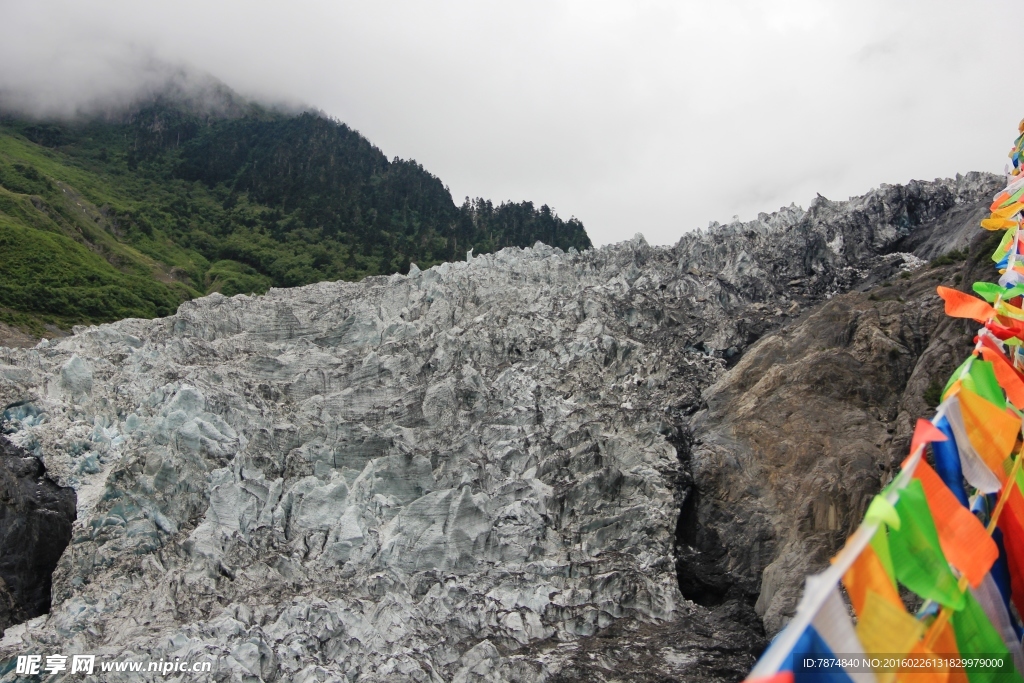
{"x":649,"y":115}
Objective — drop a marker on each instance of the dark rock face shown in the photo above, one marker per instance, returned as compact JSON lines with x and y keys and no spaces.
{"x":531,"y":466}
{"x":796,"y":439}
{"x":35,"y":526}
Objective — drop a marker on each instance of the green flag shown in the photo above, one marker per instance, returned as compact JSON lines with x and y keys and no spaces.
{"x":916,"y":554}
{"x":976,"y":637}
{"x":990,"y":290}
{"x":1004,"y":246}
{"x":980,"y":378}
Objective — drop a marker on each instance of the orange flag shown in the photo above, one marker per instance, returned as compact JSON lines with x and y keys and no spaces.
{"x":945,"y":645}
{"x":993,"y":345}
{"x":964,"y":541}
{"x":992,"y":430}
{"x":936,"y":674}
{"x":1007,"y":196}
{"x":960,"y":305}
{"x":867,"y":575}
{"x":1008,"y":376}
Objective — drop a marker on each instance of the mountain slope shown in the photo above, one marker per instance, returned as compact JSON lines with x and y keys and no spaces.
{"x":131,"y":214}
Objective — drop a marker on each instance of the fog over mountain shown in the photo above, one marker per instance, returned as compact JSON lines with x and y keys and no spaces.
{"x":647,"y":116}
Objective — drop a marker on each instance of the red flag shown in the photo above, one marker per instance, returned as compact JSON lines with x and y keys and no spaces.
{"x":781,"y":677}
{"x":925,"y":432}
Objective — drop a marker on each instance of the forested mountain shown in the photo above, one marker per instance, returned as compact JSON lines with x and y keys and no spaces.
{"x":130,"y":213}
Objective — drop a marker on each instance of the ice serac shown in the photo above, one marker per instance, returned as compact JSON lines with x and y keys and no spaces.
{"x":470,"y":473}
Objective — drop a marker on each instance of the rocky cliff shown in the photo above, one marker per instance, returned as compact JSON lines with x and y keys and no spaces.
{"x":791,"y":445}
{"x":530,"y":466}
{"x":35,"y":527}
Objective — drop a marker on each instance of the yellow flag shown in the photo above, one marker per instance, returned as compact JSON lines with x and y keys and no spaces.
{"x":992,"y":430}
{"x":885,"y":629}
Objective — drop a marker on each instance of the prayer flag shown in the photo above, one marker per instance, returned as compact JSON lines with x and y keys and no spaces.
{"x":960,"y":305}
{"x":812,"y":647}
{"x":992,"y":431}
{"x":868,"y":575}
{"x":917,"y":554}
{"x":975,"y":471}
{"x":947,"y":462}
{"x":925,"y":432}
{"x":963,"y":539}
{"x":975,"y":636}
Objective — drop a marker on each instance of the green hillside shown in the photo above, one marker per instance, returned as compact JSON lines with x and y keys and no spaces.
{"x":128,"y":216}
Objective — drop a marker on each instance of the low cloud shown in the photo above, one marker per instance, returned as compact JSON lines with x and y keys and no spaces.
{"x":94,"y":89}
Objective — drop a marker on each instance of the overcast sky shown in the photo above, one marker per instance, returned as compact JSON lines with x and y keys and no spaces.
{"x":639,"y":116}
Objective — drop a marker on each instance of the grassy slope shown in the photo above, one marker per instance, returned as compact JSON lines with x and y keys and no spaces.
{"x":83,"y":238}
{"x":60,"y":261}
